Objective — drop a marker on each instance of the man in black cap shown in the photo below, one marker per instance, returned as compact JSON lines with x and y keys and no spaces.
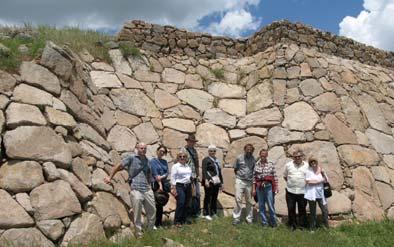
{"x":194,"y":164}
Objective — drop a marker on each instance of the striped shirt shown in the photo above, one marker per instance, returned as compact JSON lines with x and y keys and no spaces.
{"x":262,"y":170}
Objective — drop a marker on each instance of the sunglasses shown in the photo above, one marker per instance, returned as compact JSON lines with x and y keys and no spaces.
{"x":182,"y":156}
{"x":212,"y":151}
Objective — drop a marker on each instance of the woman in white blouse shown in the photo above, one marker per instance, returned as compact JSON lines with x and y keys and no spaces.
{"x":314,"y":191}
{"x":181,"y":187}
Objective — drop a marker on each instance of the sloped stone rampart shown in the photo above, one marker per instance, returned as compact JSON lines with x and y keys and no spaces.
{"x":283,"y":98}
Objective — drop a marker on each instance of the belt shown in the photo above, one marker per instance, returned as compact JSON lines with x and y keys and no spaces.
{"x":182,"y":184}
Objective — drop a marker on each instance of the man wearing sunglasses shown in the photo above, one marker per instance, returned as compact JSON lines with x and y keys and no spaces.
{"x":294,"y":176}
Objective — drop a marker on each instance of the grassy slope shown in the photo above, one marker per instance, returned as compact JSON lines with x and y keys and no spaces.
{"x":75,"y":38}
{"x":220,"y":232}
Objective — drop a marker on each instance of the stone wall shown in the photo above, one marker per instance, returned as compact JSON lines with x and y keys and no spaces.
{"x":66,"y":119}
{"x":171,"y":40}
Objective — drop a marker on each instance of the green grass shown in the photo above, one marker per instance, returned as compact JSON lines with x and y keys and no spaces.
{"x":220,"y":232}
{"x":128,"y":49}
{"x":219,"y":73}
{"x":75,"y":38}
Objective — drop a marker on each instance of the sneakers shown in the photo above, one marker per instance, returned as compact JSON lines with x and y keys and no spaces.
{"x":236,"y":222}
{"x":207,"y":217}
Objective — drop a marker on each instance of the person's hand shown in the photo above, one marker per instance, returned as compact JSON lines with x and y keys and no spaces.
{"x":173,"y":192}
{"x":276,"y":192}
{"x":107,"y":180}
{"x":161,"y":188}
{"x":221,"y":188}
{"x":206,"y":184}
{"x":253,"y":193}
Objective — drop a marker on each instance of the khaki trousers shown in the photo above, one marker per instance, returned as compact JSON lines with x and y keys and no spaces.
{"x":243,"y":189}
{"x":146,"y":200}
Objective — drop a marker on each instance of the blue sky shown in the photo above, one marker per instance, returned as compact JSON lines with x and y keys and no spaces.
{"x":367,"y":21}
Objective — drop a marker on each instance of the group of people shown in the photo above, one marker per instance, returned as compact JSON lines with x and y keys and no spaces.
{"x":152,"y":183}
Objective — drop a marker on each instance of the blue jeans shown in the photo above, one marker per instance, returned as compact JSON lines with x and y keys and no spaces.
{"x":182,"y":200}
{"x":265,"y":195}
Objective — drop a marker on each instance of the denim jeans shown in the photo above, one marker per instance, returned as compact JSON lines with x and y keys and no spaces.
{"x":312,"y":209}
{"x":183,"y":197}
{"x":292,"y":200}
{"x":265,"y":195}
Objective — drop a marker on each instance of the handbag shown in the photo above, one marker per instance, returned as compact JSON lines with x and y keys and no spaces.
{"x":215,"y":179}
{"x":327,"y":190}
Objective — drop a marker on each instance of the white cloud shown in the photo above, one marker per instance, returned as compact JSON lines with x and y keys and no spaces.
{"x":106,"y":14}
{"x":373,"y":26}
{"x":234,"y":23}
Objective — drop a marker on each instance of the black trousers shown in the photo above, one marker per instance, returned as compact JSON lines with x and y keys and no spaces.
{"x":210,"y":199}
{"x":292,"y":200}
{"x":159,"y":215}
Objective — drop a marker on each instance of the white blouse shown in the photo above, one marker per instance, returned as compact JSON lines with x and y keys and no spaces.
{"x":314,"y":191}
{"x":180,"y":174}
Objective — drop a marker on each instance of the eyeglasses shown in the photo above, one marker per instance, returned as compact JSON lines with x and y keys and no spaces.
{"x":181,"y":156}
{"x":161,"y":150}
{"x":298,"y":156}
{"x":212,"y":151}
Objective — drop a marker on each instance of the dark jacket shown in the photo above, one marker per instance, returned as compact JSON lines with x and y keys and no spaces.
{"x":209,"y":170}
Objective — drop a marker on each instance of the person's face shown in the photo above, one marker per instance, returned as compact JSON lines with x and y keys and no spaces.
{"x":191,"y":143}
{"x":141,"y":149}
{"x":212,"y":152}
{"x":249,"y":150}
{"x":263,"y":155}
{"x":161,"y":152}
{"x":182,"y":158}
{"x":313,"y":164}
{"x":297,"y":157}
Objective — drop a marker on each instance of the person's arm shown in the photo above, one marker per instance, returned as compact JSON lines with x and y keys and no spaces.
{"x":173,"y":181}
{"x":204,"y":172}
{"x":285,"y":173}
{"x":115,"y":169}
{"x":236,"y":165}
{"x":309,"y":180}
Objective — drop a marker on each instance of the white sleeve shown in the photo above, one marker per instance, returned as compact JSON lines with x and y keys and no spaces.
{"x":308,"y":175}
{"x":173,"y":172}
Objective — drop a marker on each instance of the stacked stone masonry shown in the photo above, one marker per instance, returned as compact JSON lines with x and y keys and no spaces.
{"x":65,"y":122}
{"x":171,"y":40}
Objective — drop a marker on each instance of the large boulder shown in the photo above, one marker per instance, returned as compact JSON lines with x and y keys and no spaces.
{"x":24,"y":237}
{"x":263,"y":118}
{"x":84,"y":131}
{"x":134,"y":101}
{"x":339,"y":203}
{"x":82,"y":191}
{"x":355,"y":155}
{"x":382,"y":143}
{"x":173,"y":75}
{"x":278,"y":135}
{"x":208,"y":134}
{"x":224,"y":90}
{"x":122,"y":139}
{"x":165,"y":100}
{"x":339,"y":131}
{"x":20,"y":176}
{"x":236,"y":107}
{"x":106,"y":205}
{"x":83,"y":230}
{"x":36,"y":143}
{"x":179,"y":124}
{"x":8,"y":82}
{"x":37,"y":75}
{"x":219,"y":117}
{"x":105,"y":79}
{"x":197,"y":98}
{"x":12,"y":214}
{"x":57,"y":60}
{"x":119,"y":62}
{"x":61,"y":118}
{"x":300,"y":116}
{"x":366,"y":204}
{"x":30,"y":95}
{"x":54,"y":201}
{"x":259,"y":96}
{"x":182,"y":111}
{"x":53,"y":229}
{"x":146,"y":133}
{"x":374,"y":115}
{"x":173,"y":138}
{"x":23,"y":114}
